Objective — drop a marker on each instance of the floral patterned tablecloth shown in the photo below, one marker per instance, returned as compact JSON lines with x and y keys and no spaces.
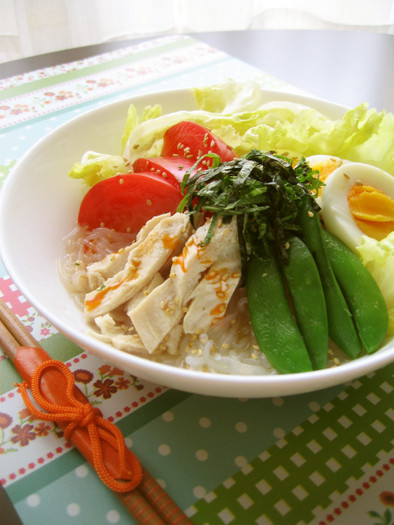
{"x":320,"y":458}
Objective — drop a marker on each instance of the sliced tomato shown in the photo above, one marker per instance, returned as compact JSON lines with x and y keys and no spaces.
{"x":126,"y":202}
{"x":190,"y":141}
{"x":171,"y":168}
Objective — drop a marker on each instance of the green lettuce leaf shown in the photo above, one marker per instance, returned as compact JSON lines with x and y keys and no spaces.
{"x":151,"y":112}
{"x":132,"y":122}
{"x":378,"y":257}
{"x":95,"y":167}
{"x":236,"y":114}
{"x":361,"y":135}
{"x":228,"y":98}
{"x":133,"y":119}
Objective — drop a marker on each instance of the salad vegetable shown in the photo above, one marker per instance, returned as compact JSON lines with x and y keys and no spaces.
{"x":236,"y":114}
{"x":171,"y":168}
{"x":199,"y":142}
{"x":275,"y":328}
{"x":362,"y":294}
{"x":306,"y":293}
{"x":95,"y":167}
{"x":378,"y":258}
{"x":126,"y":202}
{"x":340,"y":323}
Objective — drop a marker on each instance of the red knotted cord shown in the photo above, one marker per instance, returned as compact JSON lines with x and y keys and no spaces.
{"x":78,"y":415}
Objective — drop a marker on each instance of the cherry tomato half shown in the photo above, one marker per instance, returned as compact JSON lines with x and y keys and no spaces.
{"x":171,"y":168}
{"x":188,"y":140}
{"x":126,"y":202}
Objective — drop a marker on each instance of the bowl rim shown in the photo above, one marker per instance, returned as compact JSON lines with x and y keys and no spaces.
{"x":223,"y":385}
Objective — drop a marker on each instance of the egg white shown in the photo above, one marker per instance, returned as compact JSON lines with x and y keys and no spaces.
{"x":335,"y":210}
{"x":320,"y":160}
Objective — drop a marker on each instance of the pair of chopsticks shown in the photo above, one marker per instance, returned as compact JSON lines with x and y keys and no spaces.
{"x":148,"y":503}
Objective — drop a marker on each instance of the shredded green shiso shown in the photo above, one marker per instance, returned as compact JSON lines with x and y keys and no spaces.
{"x":262,"y":189}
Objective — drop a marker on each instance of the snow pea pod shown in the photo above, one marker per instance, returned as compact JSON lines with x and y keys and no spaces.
{"x":341,"y":327}
{"x":363,"y":295}
{"x":273,"y":324}
{"x":308,"y":301}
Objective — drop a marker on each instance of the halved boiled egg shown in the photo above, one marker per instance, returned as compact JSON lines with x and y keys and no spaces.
{"x":357,"y":200}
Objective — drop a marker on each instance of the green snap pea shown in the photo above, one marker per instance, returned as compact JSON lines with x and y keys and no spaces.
{"x":308,"y":301}
{"x":363,"y":295}
{"x":272,"y":321}
{"x":341,"y":327}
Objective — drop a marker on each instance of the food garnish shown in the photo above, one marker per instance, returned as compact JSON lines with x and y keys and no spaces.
{"x":262,"y":190}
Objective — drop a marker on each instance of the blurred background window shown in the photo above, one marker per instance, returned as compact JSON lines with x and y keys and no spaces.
{"x":33,"y":27}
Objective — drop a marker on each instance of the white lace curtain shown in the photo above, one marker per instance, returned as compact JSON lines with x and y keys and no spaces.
{"x":32,"y":27}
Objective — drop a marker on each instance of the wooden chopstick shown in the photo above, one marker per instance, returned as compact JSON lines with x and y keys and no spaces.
{"x":8,"y":342}
{"x":149,"y":503}
{"x":13,"y":333}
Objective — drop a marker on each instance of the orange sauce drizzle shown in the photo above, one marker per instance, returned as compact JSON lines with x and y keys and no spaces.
{"x":99,"y":297}
{"x":169,"y":242}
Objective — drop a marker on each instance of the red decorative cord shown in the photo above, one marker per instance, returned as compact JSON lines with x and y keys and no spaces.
{"x":80,"y":414}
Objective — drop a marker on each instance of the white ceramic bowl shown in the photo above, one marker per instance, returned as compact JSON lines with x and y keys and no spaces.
{"x":38,"y":207}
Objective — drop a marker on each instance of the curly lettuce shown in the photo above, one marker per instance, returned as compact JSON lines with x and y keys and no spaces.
{"x":95,"y":167}
{"x":132,"y":120}
{"x":361,"y":135}
{"x":378,"y":257}
{"x":236,"y":113}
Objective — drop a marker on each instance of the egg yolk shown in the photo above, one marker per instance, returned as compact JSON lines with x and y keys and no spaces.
{"x":326,"y":168}
{"x":372,"y":210}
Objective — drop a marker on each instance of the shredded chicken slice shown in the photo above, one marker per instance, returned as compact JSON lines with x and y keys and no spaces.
{"x":138,"y":297}
{"x":142,"y":264}
{"x":165,"y":306}
{"x":171,"y":341}
{"x":113,"y":334}
{"x":209,"y":300}
{"x":98,"y":272}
